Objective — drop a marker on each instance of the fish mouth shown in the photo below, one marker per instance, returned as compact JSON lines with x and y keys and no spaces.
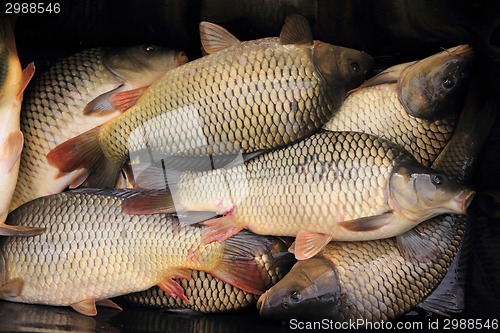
{"x":261,"y":302}
{"x":460,"y":50}
{"x":465,"y":199}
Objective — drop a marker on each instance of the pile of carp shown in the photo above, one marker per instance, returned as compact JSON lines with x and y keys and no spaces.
{"x":131,"y":174}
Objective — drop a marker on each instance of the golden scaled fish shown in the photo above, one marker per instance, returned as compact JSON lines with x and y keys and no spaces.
{"x":74,"y":95}
{"x":414,"y":105}
{"x":372,"y":280}
{"x":242,"y":98}
{"x":342,"y":186}
{"x":211,"y":295}
{"x":13,"y":81}
{"x":92,"y":251}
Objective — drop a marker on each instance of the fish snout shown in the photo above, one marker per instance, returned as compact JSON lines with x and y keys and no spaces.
{"x":462,"y":201}
{"x":467,"y":198}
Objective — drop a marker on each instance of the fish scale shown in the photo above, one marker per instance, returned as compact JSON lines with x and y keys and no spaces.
{"x":41,"y":98}
{"x":372,"y":280}
{"x":210,"y":294}
{"x":217,"y":117}
{"x":91,"y":250}
{"x":53,"y":108}
{"x":241,"y":98}
{"x":425,"y":138}
{"x":270,"y":191}
{"x":393,"y":285}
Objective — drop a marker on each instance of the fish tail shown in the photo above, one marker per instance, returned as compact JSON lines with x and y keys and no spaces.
{"x":151,"y":202}
{"x":238,"y":266}
{"x":84,"y":151}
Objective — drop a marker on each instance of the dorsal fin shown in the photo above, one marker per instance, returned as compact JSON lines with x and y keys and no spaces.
{"x":215,"y":38}
{"x":296,"y":31}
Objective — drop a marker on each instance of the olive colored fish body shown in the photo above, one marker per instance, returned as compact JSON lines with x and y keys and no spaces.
{"x":364,"y":280}
{"x":378,"y":111}
{"x":331,"y":186}
{"x":413,"y":105}
{"x":211,"y":295}
{"x":13,"y":81}
{"x":73,"y":96}
{"x":241,"y":98}
{"x":206,"y":95}
{"x":91,"y":251}
{"x":372,"y":280}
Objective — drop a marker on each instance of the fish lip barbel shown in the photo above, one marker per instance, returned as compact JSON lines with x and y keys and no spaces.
{"x":424,"y":84}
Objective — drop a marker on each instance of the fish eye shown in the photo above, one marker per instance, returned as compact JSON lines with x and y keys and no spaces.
{"x":355,"y":66}
{"x":148,"y":48}
{"x":448,"y":83}
{"x":295,"y":297}
{"x":437,"y":179}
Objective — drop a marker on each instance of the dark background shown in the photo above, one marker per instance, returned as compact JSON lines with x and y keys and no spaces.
{"x":392,"y":31}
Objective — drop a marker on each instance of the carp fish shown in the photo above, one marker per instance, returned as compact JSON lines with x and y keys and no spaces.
{"x":211,"y":295}
{"x":92,"y":251}
{"x":74,"y":95}
{"x":240,"y":99}
{"x":342,"y":186}
{"x":414,"y":105}
{"x":13,"y":82}
{"x":372,"y":280}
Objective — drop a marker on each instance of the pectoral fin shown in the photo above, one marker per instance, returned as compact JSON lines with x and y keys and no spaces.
{"x":12,"y":289}
{"x":308,"y":244}
{"x":415,"y":248}
{"x":101,"y":105}
{"x":172,"y":287}
{"x":11,"y":150}
{"x":124,"y":100}
{"x":86,"y":307}
{"x":370,"y":223}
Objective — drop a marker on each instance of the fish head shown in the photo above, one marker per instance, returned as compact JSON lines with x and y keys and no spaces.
{"x":342,"y":68}
{"x":420,"y":193}
{"x":310,"y":290}
{"x":432,"y":87}
{"x":142,"y":64}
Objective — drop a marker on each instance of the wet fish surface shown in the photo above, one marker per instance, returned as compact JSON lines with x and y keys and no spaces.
{"x":92,"y":251}
{"x":372,"y":280}
{"x":414,"y":105}
{"x":242,"y":98}
{"x":307,"y":191}
{"x":74,"y":95}
{"x":13,"y":81}
{"x":211,"y":295}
